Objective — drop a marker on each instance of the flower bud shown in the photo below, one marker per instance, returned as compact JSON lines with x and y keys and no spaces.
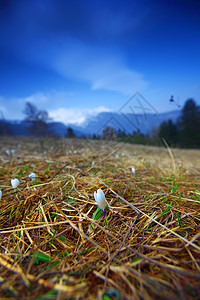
{"x":15,"y":183}
{"x":32,"y":176}
{"x":101,"y":200}
{"x":133,"y":170}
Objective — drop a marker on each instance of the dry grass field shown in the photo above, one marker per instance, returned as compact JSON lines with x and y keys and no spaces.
{"x":54,"y":246}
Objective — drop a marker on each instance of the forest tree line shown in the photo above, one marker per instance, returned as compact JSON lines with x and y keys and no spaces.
{"x":184,"y":133}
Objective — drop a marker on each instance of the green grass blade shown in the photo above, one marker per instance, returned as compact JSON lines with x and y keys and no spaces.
{"x":166,"y":210}
{"x":38,"y":256}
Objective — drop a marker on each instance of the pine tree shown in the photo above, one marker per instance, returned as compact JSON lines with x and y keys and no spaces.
{"x":70,"y":133}
{"x":168,"y":131}
{"x":189,"y":125}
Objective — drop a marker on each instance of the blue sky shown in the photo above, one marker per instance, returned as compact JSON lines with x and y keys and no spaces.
{"x":77,"y":58}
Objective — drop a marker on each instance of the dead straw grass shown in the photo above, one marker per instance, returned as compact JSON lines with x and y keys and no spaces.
{"x":52,"y":248}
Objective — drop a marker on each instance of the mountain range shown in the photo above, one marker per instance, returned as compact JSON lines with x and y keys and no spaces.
{"x":94,"y":125}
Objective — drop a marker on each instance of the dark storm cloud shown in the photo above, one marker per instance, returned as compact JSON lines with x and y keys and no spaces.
{"x":64,"y":35}
{"x":35,"y":27}
{"x":88,"y":20}
{"x":113,"y":46}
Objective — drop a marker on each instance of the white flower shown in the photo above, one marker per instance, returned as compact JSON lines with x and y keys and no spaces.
{"x":32,"y":176}
{"x":7,"y":151}
{"x":101,"y":200}
{"x":93,"y":162}
{"x":123,"y":154}
{"x":75,"y":151}
{"x":0,"y":194}
{"x":117,"y":156}
{"x":15,"y":183}
{"x":51,"y":148}
{"x":133,"y":170}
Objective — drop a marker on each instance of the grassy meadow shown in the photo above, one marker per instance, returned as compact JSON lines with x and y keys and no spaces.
{"x":55,"y":242}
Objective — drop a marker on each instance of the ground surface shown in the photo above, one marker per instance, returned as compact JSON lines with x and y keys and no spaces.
{"x":54,"y":247}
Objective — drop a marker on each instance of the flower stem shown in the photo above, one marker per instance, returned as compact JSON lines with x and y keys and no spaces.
{"x":106,"y":221}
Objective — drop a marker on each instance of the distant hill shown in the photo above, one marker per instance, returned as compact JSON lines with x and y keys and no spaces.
{"x":127,"y":122}
{"x":95,"y":124}
{"x":20,"y":128}
{"x":61,"y":129}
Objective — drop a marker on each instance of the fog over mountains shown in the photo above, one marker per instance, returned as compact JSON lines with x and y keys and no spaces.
{"x":127,"y":122}
{"x":95,"y":124}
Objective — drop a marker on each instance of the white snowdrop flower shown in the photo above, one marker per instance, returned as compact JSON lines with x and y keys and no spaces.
{"x":32,"y":176}
{"x":15,"y":183}
{"x":7,"y":151}
{"x":123,"y":154}
{"x":133,"y":170}
{"x":117,"y":156}
{"x":19,"y":145}
{"x":93,"y":163}
{"x":72,"y":147}
{"x":99,"y":197}
{"x":75,"y":151}
{"x":0,"y":194}
{"x":51,"y":148}
{"x":12,"y":151}
{"x":45,"y":152}
{"x":66,"y":152}
{"x":70,"y":151}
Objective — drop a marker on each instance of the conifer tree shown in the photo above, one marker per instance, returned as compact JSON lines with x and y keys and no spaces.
{"x":189,"y":125}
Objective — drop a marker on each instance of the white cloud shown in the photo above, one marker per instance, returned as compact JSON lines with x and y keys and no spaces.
{"x":37,"y":99}
{"x":3,"y":109}
{"x":13,"y":108}
{"x":75,"y":115}
{"x":124,"y":81}
{"x":101,"y":68}
{"x":54,"y":103}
